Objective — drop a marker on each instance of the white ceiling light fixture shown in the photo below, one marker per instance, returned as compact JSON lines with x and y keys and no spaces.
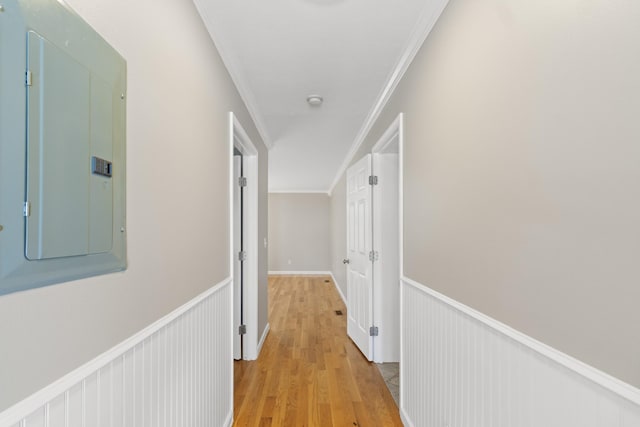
{"x":315,"y":100}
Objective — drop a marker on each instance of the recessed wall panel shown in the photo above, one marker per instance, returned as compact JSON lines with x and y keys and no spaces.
{"x":62,"y":148}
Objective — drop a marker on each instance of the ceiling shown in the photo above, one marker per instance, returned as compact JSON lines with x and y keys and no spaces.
{"x":350,"y":52}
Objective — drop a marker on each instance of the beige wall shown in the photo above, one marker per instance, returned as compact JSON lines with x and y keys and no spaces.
{"x":179,"y":96}
{"x":299,"y":232}
{"x":522,"y":173}
{"x":338,"y":233}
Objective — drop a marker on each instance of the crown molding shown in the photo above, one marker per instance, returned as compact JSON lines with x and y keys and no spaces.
{"x":423,"y":27}
{"x":233,"y":69}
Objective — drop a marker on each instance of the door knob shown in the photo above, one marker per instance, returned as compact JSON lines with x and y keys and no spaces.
{"x":345,"y":261}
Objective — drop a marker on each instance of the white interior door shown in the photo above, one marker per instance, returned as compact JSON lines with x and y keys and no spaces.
{"x":359,"y":266}
{"x":386,"y":274}
{"x":387,"y":236}
{"x":237,"y":264}
{"x":243,"y":207}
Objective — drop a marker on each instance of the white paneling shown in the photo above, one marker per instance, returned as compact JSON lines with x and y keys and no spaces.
{"x":37,"y":418}
{"x":74,"y":406}
{"x":91,"y":397}
{"x":460,"y":368}
{"x":128,"y":376}
{"x":57,"y":411}
{"x":138,"y":385}
{"x":176,"y":372}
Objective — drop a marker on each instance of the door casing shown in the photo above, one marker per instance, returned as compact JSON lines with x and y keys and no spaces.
{"x":387,"y":156}
{"x":239,"y":139}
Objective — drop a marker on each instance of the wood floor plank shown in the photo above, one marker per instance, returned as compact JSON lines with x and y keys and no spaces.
{"x":310,"y":374}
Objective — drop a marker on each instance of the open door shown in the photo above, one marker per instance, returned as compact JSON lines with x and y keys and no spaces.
{"x":243,"y":215}
{"x":360,"y":256}
{"x":386,"y":201}
{"x":238,"y":259}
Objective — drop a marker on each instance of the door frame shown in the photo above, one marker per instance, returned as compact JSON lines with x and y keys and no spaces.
{"x":239,"y":139}
{"x":358,"y":332}
{"x":382,"y":350}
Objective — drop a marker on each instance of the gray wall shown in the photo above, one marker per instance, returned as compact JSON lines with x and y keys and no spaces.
{"x":338,"y":233}
{"x":521,"y":170}
{"x":299,"y":232}
{"x":177,"y":195}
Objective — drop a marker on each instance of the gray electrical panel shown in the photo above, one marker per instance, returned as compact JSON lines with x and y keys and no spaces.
{"x":62,"y":148}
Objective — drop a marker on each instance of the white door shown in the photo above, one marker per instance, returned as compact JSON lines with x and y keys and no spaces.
{"x":359,"y":266}
{"x":237,"y":264}
{"x":243,"y":218}
{"x":386,"y":273}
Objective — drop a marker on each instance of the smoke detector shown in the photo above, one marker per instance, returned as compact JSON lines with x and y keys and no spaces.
{"x":314,"y":100}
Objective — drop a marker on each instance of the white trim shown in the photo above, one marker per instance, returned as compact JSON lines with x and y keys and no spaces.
{"x":229,"y":421}
{"x":600,"y":378}
{"x":242,"y":86}
{"x":405,"y":418}
{"x":241,"y":138}
{"x":238,"y":138}
{"x":298,"y":192}
{"x":335,"y":282}
{"x":34,"y":402}
{"x":263,"y":338}
{"x":299,"y":273}
{"x":237,"y":345}
{"x":401,"y":251}
{"x":400,"y":124}
{"x":422,"y":29}
{"x":385,"y":345}
{"x":394,"y":130}
{"x":402,"y":369}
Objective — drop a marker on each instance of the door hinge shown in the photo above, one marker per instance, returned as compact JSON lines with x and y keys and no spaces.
{"x":373,"y":180}
{"x":373,"y":255}
{"x":242,"y":330}
{"x":28,"y":78}
{"x":26,"y":209}
{"x":242,"y":181}
{"x":373,"y":331}
{"x":242,"y":256}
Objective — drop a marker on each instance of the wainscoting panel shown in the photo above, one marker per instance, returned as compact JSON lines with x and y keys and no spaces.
{"x":176,"y":372}
{"x":461,"y":368}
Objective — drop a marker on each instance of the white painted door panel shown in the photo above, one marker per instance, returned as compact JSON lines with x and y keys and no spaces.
{"x":386,"y":268}
{"x":359,"y":268}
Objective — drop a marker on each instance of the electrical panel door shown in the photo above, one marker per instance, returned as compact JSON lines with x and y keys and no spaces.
{"x":62,"y":148}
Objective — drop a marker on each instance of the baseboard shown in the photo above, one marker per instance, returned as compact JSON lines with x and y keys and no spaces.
{"x":335,"y":282}
{"x":462,"y":364}
{"x":229,"y":421}
{"x":118,"y":366}
{"x":405,"y":418}
{"x":299,"y":273}
{"x":263,"y":338}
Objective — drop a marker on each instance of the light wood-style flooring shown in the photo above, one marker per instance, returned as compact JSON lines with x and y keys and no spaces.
{"x":309,"y":373}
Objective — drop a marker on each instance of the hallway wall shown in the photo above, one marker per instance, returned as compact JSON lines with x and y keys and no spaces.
{"x":521,"y":172}
{"x":338,"y":233}
{"x":179,"y":96}
{"x":299,"y":232}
